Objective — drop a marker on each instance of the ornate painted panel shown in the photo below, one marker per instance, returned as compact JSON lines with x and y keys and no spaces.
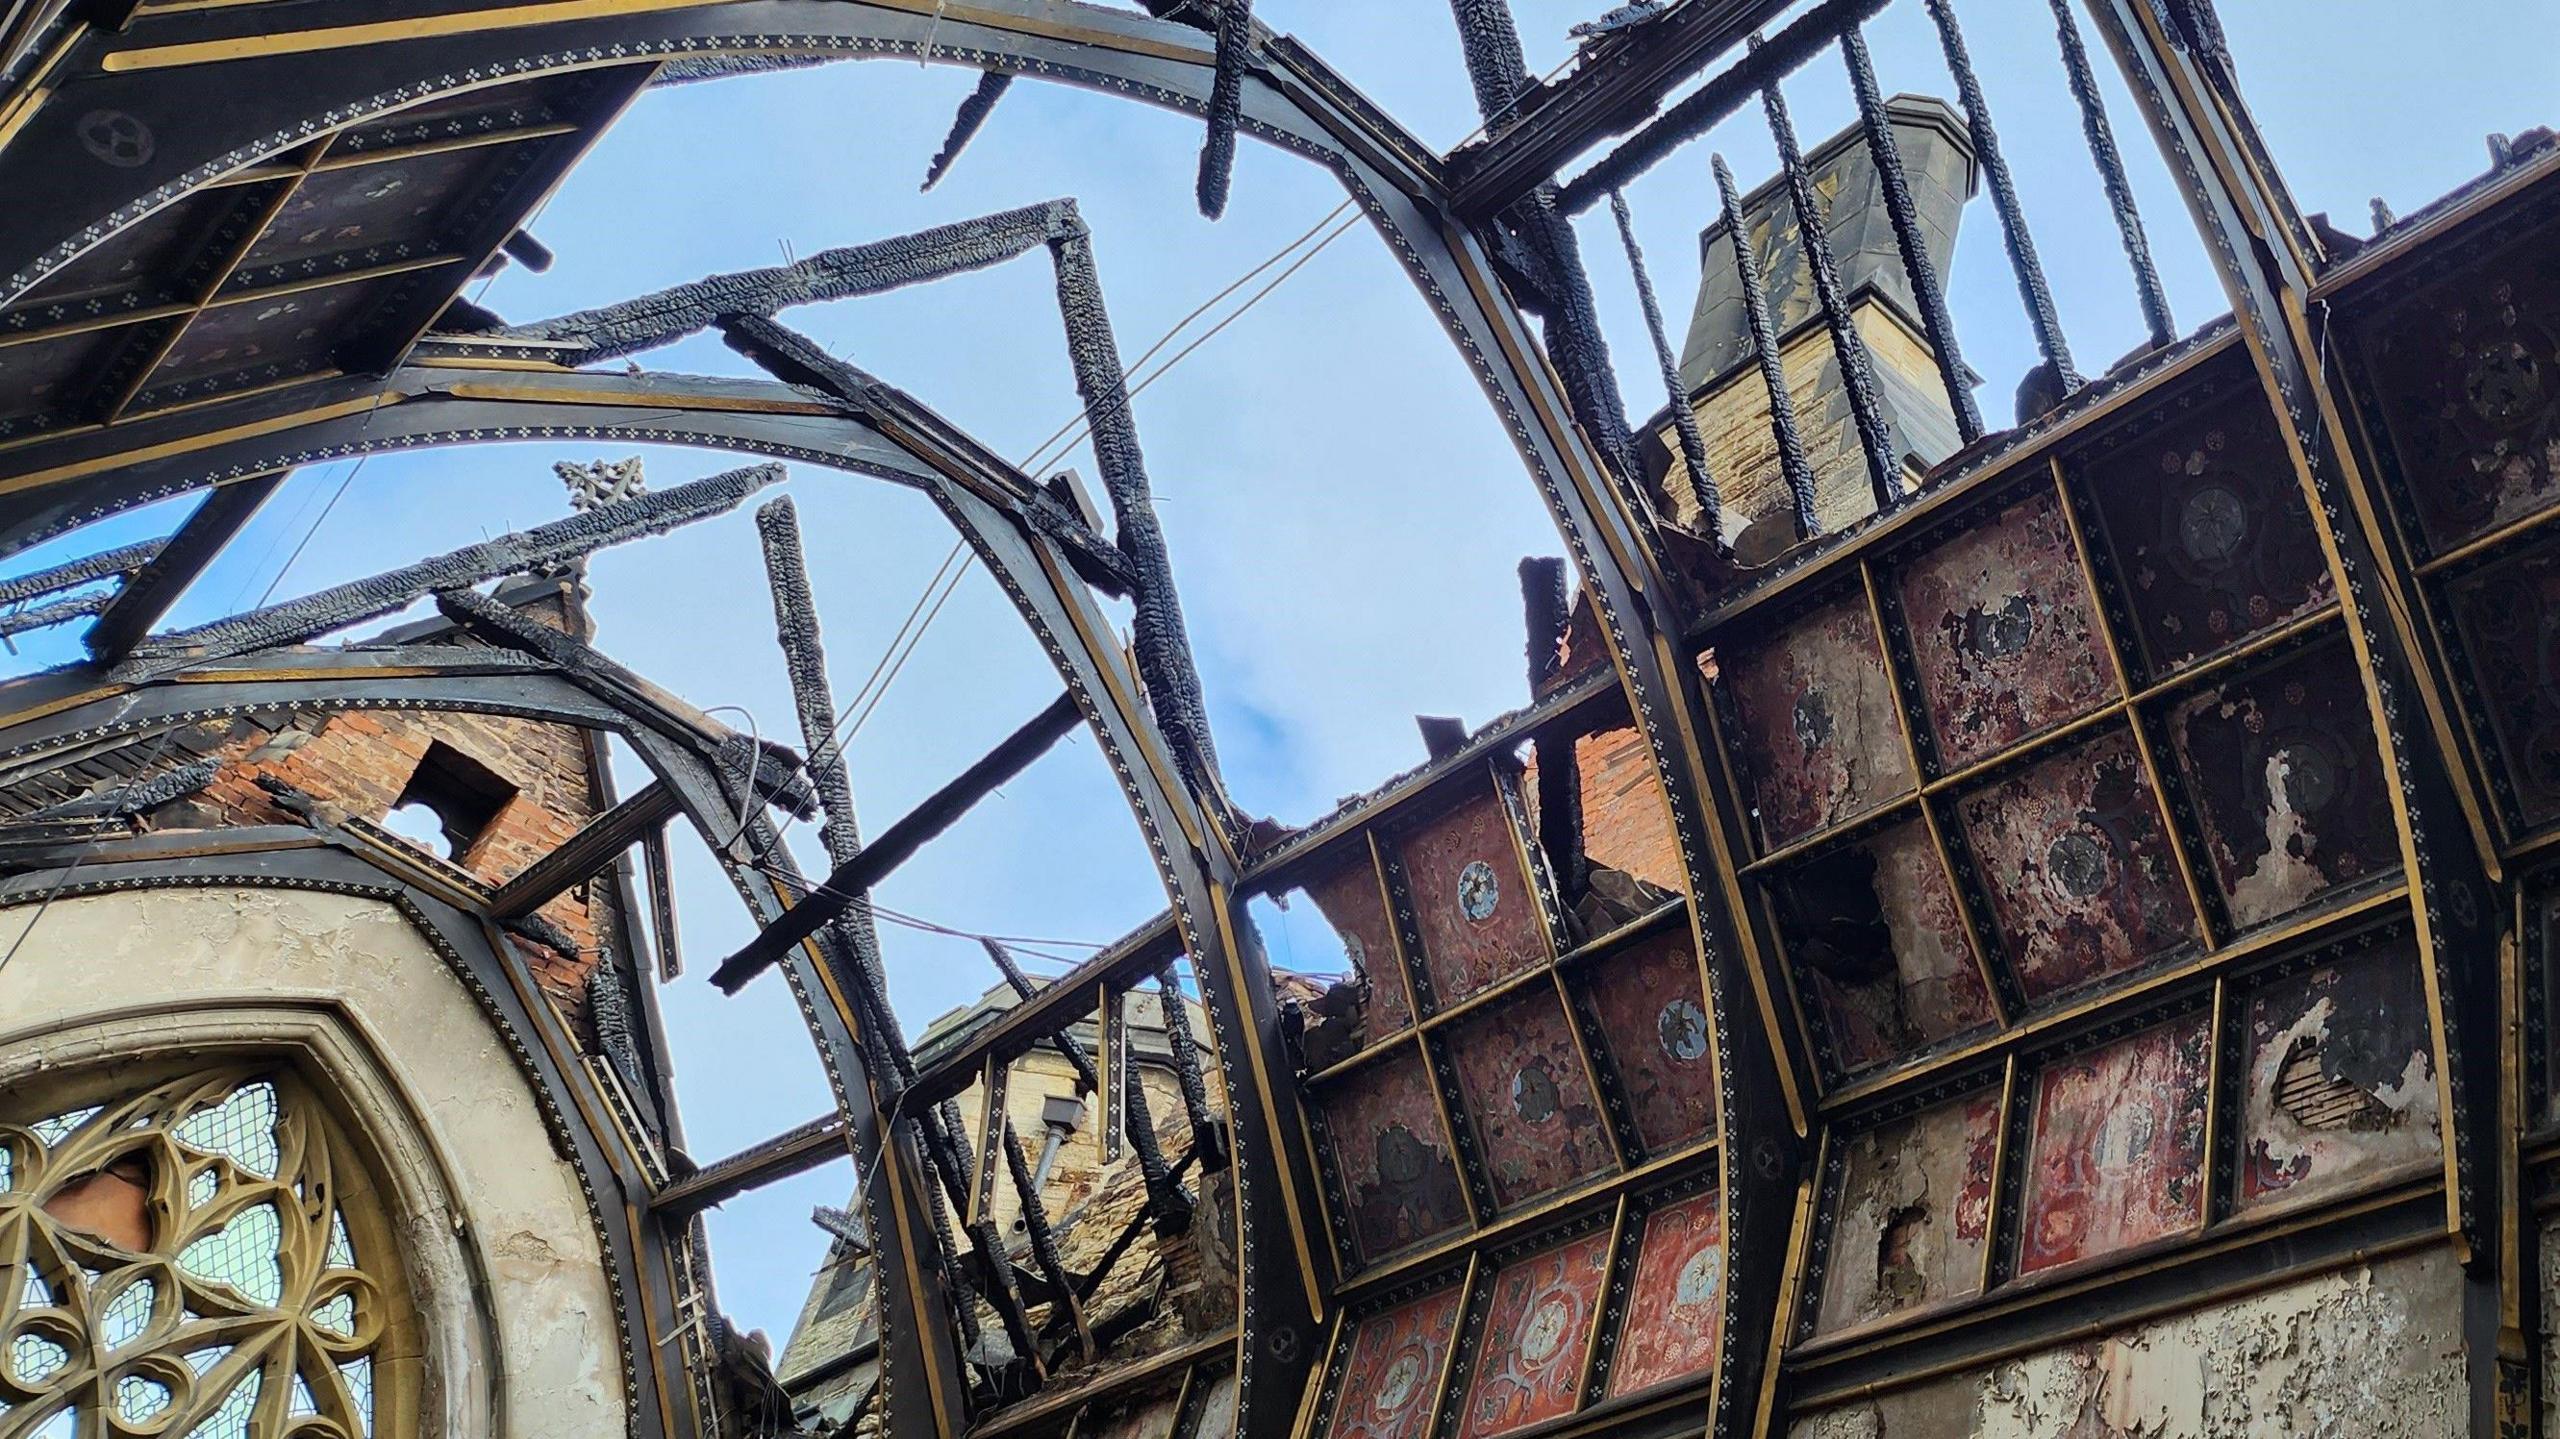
{"x":2115,"y":1156}
{"x":2281,"y":768}
{"x":387,"y":206}
{"x":1389,"y":1156}
{"x":1536,"y":1334}
{"x":1536,"y":1121}
{"x":1215,"y":1407}
{"x":2339,"y":1078}
{"x":1814,"y":720}
{"x":1355,"y":905}
{"x":1914,"y":1215}
{"x":2461,"y":374}
{"x":1877,"y":939}
{"x":2075,"y":861}
{"x":1472,"y":899}
{"x":1149,"y":1416}
{"x":2204,"y":529}
{"x":2002,"y":632}
{"x":1391,"y":1377}
{"x":1650,"y":1019}
{"x":1675,"y":1310}
{"x":2506,"y":619}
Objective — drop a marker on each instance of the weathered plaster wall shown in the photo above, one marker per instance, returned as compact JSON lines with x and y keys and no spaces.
{"x":2372,"y":1352}
{"x":151,"y":969}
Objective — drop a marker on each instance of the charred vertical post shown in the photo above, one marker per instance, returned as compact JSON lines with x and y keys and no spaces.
{"x":1226,"y":106}
{"x":1044,"y":1241}
{"x":2110,"y":161}
{"x":1792,"y":462}
{"x":1936,"y":321}
{"x":1857,"y":369}
{"x":1162,"y":644}
{"x":1684,"y":421}
{"x":1206,"y":1137}
{"x":2004,"y":197}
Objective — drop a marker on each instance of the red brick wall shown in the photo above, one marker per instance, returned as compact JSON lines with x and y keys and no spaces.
{"x":1626,"y":821}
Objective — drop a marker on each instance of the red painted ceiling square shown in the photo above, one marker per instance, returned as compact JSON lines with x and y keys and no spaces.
{"x":1398,"y":1177}
{"x":1537,"y":1332}
{"x":1472,"y":901}
{"x":1536,"y":1119}
{"x":2286,"y":782}
{"x":1391,"y":1379}
{"x":2209,"y":534}
{"x":1877,"y":936}
{"x":2077,"y":863}
{"x":1820,"y":739}
{"x":1352,"y":901}
{"x":2340,"y":1080}
{"x":2002,"y":632}
{"x":2508,"y":617}
{"x":1675,"y":1302}
{"x":1915,"y":1213}
{"x":1149,"y":1417}
{"x":1653,"y":1028}
{"x":2116,"y":1157}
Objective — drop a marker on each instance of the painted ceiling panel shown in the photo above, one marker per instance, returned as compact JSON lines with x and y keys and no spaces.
{"x":1877,"y":939}
{"x":1675,"y":1301}
{"x":1391,"y":1379}
{"x":1651,"y":1022}
{"x":1398,"y":1179}
{"x":1150,"y":1416}
{"x":2282,"y":769}
{"x":2003,"y":632}
{"x":1536,"y":1120}
{"x":2340,"y":1079}
{"x":383,"y":204}
{"x":1915,"y":1213}
{"x":1814,"y":719}
{"x":2076,"y":862}
{"x":2116,"y":1155}
{"x":2207,"y":530}
{"x":2506,"y":619}
{"x":1355,"y":905}
{"x":1536,"y":1334}
{"x":1472,"y":901}
{"x":140,"y":260}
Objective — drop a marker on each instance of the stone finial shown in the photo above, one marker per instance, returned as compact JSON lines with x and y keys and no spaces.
{"x":601,"y":482}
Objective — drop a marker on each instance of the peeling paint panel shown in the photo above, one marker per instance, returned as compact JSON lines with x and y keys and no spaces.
{"x":1653,"y":1032}
{"x":2003,"y":632}
{"x":2207,"y":528}
{"x":2507,"y":618}
{"x":1820,"y":739}
{"x":2369,"y":1352}
{"x":1150,"y":1416}
{"x":1915,"y":1213}
{"x":1675,"y":1301}
{"x":1382,"y":1129}
{"x":1877,"y":939}
{"x":2116,"y":1155}
{"x":2463,"y":374}
{"x":1537,"y":1332}
{"x":1471,"y":898}
{"x":2287,"y":783}
{"x":2341,"y":1081}
{"x":1391,"y":1379}
{"x":1355,"y":905}
{"x":1536,"y":1119}
{"x":2074,"y":857}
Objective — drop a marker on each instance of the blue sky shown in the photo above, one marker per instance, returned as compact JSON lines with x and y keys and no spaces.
{"x":1343,"y":511}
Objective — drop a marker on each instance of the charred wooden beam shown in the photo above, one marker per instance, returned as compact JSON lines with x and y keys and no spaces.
{"x":584,"y":854}
{"x":2032,"y":289}
{"x":148,"y":595}
{"x":1722,"y":96}
{"x":131,"y":797}
{"x":1684,"y":420}
{"x":972,"y":117}
{"x":60,"y":612}
{"x":662,"y":904}
{"x":1544,"y":615}
{"x":1793,"y":463}
{"x":1621,"y":78}
{"x":1857,"y":368}
{"x":1067,"y":1045}
{"x":794,"y":1151}
{"x":1226,"y":106}
{"x":2110,"y":162}
{"x":1936,"y":321}
{"x":848,"y":887}
{"x":541,"y":547}
{"x":668,"y":315}
{"x":1044,"y":1243}
{"x":104,"y":565}
{"x":1208,"y":1137}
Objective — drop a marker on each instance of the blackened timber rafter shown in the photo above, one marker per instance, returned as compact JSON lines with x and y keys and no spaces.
{"x":794,"y":1151}
{"x":584,"y":854}
{"x":120,"y":562}
{"x":1618,"y":81}
{"x":150,"y":592}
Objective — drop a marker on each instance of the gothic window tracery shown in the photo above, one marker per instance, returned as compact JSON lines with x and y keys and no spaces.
{"x":196,"y":1257}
